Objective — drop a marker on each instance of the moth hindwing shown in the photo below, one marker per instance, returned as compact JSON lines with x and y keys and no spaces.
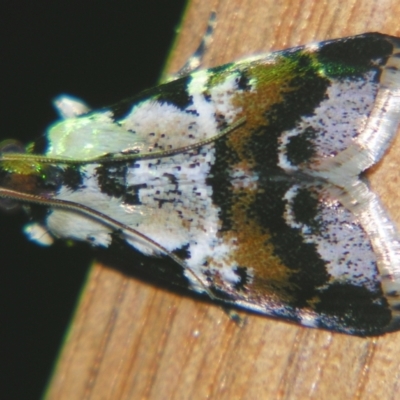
{"x":243,"y":179}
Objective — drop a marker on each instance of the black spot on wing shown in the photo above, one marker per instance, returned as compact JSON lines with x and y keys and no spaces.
{"x":243,"y":83}
{"x":354,"y":306}
{"x":40,"y":145}
{"x":244,"y":278}
{"x":132,"y":195}
{"x":301,"y":148}
{"x":123,"y":108}
{"x":174,"y":92}
{"x":183,"y":253}
{"x":111,"y":178}
{"x":220,"y":180}
{"x":73,"y":177}
{"x":351,"y":57}
{"x":160,"y":270}
{"x":216,"y":72}
{"x":306,"y":208}
{"x":162,"y":201}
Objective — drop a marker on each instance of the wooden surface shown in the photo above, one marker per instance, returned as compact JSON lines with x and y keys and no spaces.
{"x":129,"y":340}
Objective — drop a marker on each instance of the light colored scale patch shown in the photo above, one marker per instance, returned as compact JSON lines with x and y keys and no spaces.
{"x":168,"y":125}
{"x":149,"y":122}
{"x":243,"y":179}
{"x":340,"y":239}
{"x":338,"y":120}
{"x":90,"y":136}
{"x":183,"y":208}
{"x":172,"y":127}
{"x":189,"y":199}
{"x":145,"y":218}
{"x":64,"y":224}
{"x":187,"y":196}
{"x":221,"y":96}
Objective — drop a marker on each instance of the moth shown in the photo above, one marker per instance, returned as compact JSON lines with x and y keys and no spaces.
{"x":243,"y":182}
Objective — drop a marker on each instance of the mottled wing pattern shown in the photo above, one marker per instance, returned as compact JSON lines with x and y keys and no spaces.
{"x":274,"y":216}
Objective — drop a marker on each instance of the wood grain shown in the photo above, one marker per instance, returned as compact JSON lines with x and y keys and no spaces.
{"x":129,"y":340}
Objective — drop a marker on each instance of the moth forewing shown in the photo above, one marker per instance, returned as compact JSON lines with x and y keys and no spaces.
{"x":246,"y":175}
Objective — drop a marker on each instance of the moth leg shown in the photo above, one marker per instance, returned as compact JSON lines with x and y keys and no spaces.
{"x":195,"y":60}
{"x":234,"y":316}
{"x":70,"y":107}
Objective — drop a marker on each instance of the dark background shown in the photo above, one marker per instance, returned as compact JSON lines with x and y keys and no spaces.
{"x":101,"y":52}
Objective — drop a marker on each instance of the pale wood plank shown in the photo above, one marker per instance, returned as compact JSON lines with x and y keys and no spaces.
{"x":129,"y":340}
